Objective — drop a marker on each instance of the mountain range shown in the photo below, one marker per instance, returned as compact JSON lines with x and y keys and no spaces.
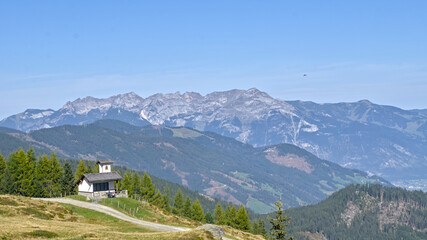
{"x":382,"y":140}
{"x":212,"y":164}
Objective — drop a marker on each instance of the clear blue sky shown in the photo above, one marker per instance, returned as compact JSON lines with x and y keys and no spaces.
{"x":55,"y":51}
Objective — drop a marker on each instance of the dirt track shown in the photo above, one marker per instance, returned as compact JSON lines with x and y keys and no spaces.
{"x":117,"y":214}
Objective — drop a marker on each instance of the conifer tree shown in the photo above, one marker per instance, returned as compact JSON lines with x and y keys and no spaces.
{"x":178,"y":203}
{"x":156,"y":199}
{"x":54,"y":176}
{"x":230,"y":216}
{"x":187,"y":211}
{"x":148,"y":190}
{"x":89,"y":168}
{"x":261,"y":227}
{"x":242,"y":219}
{"x":5,"y":182}
{"x":13,"y":165}
{"x":255,"y":228}
{"x":136,"y":184}
{"x":219,"y":217}
{"x":2,"y":166}
{"x":81,"y":169}
{"x":279,"y":223}
{"x":165,"y":200}
{"x":127,"y":182}
{"x":22,"y":173}
{"x":67,"y":180}
{"x":208,"y":217}
{"x":197,"y":211}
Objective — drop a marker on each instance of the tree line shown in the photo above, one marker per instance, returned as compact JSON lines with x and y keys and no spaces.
{"x":22,"y":173}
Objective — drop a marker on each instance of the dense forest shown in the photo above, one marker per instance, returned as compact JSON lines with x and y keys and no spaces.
{"x":363,"y":212}
{"x":22,"y":173}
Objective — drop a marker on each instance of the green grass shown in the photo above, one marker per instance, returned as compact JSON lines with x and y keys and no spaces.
{"x":259,"y":206}
{"x":8,"y":202}
{"x":77,"y":197}
{"x":129,"y":206}
{"x":90,"y":214}
{"x":36,"y":213}
{"x":41,"y":234}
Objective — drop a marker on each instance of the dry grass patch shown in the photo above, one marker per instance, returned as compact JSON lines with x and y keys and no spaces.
{"x":240,"y":235}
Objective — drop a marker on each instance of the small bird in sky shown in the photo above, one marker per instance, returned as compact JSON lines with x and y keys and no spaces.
{"x":305,"y":75}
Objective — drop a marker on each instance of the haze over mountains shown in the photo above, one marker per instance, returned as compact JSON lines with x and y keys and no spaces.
{"x":382,"y":140}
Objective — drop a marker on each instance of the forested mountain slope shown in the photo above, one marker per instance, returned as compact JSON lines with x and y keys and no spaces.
{"x":363,"y":212}
{"x":209,"y":163}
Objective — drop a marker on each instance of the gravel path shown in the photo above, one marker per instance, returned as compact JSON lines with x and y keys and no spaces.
{"x":116,"y":214}
{"x":112,"y":212}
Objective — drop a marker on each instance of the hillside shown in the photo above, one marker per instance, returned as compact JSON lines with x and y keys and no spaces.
{"x":384,"y":140}
{"x":25,"y":218}
{"x":209,"y":163}
{"x":363,"y":212}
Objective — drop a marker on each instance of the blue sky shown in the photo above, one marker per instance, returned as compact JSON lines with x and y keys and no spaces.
{"x":52,"y":52}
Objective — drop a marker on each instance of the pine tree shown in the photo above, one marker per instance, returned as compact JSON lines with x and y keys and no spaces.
{"x":187,"y":211}
{"x":178,"y":203}
{"x":255,"y":228}
{"x":219,"y":215}
{"x":2,"y":166}
{"x":156,"y":199}
{"x":197,"y":211}
{"x":54,"y":176}
{"x":261,"y":227}
{"x":6,"y":182}
{"x":67,"y":180}
{"x":279,"y":223}
{"x":21,"y":170}
{"x":242,"y":219}
{"x":230,"y":216}
{"x":148,"y":190}
{"x":81,"y":169}
{"x":127,"y":182}
{"x":165,"y":200}
{"x":136,"y":184}
{"x":208,"y":217}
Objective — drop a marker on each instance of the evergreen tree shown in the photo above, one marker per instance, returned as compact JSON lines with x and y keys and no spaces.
{"x":208,"y":217}
{"x":165,"y":200}
{"x":219,"y":215}
{"x":6,"y":182}
{"x":261,"y":227}
{"x":89,"y":168}
{"x":54,"y":176}
{"x":67,"y":180}
{"x":187,"y":211}
{"x":242,"y":219}
{"x":22,"y":173}
{"x":127,"y":182}
{"x":13,"y":165}
{"x":178,"y":203}
{"x":197,"y":211}
{"x":255,"y":228}
{"x":136,"y":184}
{"x":279,"y":223}
{"x":81,"y":169}
{"x":230,"y":216}
{"x":2,"y":166}
{"x":148,"y":190}
{"x":156,"y":199}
